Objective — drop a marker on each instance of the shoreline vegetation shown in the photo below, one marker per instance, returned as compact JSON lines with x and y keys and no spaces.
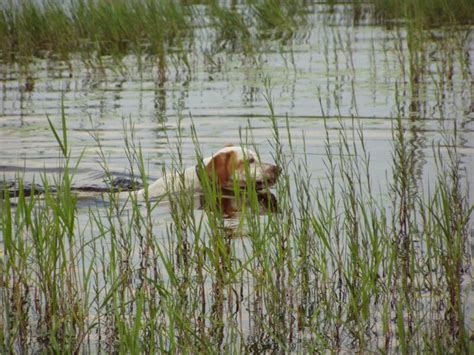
{"x":155,"y":28}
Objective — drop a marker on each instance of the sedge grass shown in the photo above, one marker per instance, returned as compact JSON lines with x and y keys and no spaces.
{"x":147,"y":28}
{"x":91,"y":28}
{"x":165,"y":31}
{"x":426,"y":13}
{"x":338,"y":267}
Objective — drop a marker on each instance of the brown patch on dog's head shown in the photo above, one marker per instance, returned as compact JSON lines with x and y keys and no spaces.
{"x":223,"y":166}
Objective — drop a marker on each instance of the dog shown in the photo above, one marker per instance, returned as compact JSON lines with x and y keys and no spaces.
{"x":227,"y":169}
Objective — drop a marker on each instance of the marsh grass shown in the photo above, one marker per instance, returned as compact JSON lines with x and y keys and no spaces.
{"x":279,"y":19}
{"x":426,"y":13}
{"x":340,"y":266}
{"x":92,"y":28}
{"x":147,"y":28}
{"x":166,"y":32}
{"x":232,"y":28}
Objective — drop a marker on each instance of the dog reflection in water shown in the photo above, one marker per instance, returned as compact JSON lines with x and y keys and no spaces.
{"x":231,"y":207}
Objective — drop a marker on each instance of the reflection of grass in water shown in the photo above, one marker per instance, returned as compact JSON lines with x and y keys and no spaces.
{"x":338,"y":267}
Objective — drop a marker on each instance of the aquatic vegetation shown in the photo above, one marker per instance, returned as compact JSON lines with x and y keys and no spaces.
{"x":427,"y":13}
{"x":150,"y":27}
{"x":334,"y":265}
{"x":95,"y":28}
{"x":339,"y":258}
{"x":279,"y":18}
{"x":231,"y":26}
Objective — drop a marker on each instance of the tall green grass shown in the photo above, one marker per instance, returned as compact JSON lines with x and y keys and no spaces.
{"x":279,"y":19}
{"x":338,"y":267}
{"x":155,"y":29}
{"x":232,"y":28}
{"x":427,"y":13}
{"x":92,"y":28}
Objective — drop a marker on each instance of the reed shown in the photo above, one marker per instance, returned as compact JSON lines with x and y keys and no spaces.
{"x":427,"y":13}
{"x":232,"y":28}
{"x":337,"y":265}
{"x":155,"y":29}
{"x":91,"y":28}
{"x":147,"y":28}
{"x":279,"y":19}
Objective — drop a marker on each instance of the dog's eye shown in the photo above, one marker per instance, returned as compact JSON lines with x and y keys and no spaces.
{"x":252,"y":160}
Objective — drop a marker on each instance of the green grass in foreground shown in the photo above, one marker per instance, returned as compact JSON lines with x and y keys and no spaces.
{"x":339,"y":267}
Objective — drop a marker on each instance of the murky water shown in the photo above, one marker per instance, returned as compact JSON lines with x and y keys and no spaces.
{"x":329,"y":68}
{"x":333,"y":68}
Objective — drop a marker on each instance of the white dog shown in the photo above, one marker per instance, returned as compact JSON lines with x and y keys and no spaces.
{"x":227,"y":168}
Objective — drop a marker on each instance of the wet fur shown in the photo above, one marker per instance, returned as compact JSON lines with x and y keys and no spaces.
{"x":222,"y":168}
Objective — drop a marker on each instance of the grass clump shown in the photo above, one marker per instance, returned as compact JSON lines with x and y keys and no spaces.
{"x":427,"y":13}
{"x":51,"y":28}
{"x":154,"y":28}
{"x":232,"y":27}
{"x":31,"y":28}
{"x":336,"y":266}
{"x":278,"y":18}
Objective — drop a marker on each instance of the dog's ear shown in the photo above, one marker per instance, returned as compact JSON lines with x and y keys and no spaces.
{"x":222,"y":165}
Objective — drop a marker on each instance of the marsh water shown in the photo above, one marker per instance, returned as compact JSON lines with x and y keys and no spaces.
{"x":331,"y":68}
{"x":331,"y":72}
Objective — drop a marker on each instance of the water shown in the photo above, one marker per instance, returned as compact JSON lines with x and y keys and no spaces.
{"x":333,"y":69}
{"x":329,"y":68}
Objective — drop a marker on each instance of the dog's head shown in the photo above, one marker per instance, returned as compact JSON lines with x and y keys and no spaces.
{"x":232,"y":166}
